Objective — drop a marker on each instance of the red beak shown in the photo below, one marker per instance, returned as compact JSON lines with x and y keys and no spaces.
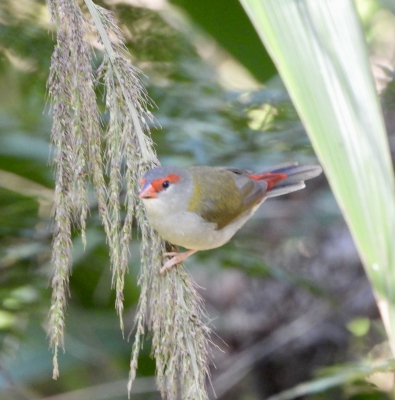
{"x":147,"y":191}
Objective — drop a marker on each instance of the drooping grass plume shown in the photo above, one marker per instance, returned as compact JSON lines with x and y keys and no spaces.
{"x":76,"y":137}
{"x":111,"y":160}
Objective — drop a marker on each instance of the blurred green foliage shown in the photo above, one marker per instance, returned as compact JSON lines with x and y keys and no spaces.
{"x":232,"y":29}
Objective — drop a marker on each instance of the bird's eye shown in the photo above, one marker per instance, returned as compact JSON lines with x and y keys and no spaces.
{"x":165,"y":184}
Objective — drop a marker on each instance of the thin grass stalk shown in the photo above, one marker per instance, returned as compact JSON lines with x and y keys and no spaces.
{"x":127,"y":103}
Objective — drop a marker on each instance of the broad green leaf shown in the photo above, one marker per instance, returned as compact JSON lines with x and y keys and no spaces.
{"x":319,"y":50}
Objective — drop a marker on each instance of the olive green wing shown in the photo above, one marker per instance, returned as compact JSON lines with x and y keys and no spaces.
{"x":252,"y":191}
{"x":238,"y":194}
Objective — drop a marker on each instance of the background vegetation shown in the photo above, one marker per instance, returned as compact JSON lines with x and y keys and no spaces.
{"x":287,"y":296}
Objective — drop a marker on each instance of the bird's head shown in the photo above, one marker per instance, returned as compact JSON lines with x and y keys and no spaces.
{"x":168,"y":186}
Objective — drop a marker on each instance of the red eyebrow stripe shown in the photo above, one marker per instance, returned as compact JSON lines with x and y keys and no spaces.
{"x":157,"y":183}
{"x":173,"y":178}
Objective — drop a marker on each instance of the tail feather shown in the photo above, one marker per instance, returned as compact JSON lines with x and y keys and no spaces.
{"x":295,"y":177}
{"x":280,"y":190}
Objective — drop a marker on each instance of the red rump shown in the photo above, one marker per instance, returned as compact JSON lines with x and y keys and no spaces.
{"x":270,"y":178}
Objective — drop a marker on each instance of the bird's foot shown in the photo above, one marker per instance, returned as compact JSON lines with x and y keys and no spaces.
{"x":177,"y":258}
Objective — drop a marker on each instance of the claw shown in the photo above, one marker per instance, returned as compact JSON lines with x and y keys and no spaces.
{"x":170,"y":254}
{"x":177,"y":259}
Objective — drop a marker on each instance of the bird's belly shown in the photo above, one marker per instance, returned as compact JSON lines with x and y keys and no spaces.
{"x":189,"y":230}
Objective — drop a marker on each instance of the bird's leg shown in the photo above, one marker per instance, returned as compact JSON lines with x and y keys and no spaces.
{"x":176,"y":259}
